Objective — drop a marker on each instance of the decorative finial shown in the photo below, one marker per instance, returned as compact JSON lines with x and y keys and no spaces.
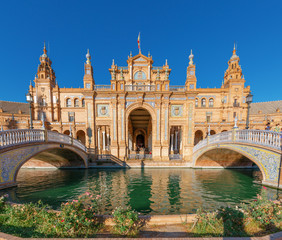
{"x":138,"y":41}
{"x":149,"y":55}
{"x":88,"y":56}
{"x":113,"y":63}
{"x":121,"y":74}
{"x":191,"y":58}
{"x":234,"y":49}
{"x":166,"y":73}
{"x":70,"y":131}
{"x":166,"y":62}
{"x":44,"y":49}
{"x":158,"y":74}
{"x":130,"y":54}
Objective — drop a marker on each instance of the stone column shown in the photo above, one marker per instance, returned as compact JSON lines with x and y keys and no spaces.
{"x":171,"y":143}
{"x":104,"y":140}
{"x":176,"y":141}
{"x":98,"y":140}
{"x":108,"y":141}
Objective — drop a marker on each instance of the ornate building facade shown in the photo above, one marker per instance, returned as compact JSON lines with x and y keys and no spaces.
{"x":139,"y":111}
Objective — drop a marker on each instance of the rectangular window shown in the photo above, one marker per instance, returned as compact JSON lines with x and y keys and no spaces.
{"x":71,"y":116}
{"x":121,"y":86}
{"x":114,"y":86}
{"x":158,"y":87}
{"x":234,"y":114}
{"x":191,"y":86}
{"x":87,"y":85}
{"x":208,"y":119}
{"x":166,"y":87}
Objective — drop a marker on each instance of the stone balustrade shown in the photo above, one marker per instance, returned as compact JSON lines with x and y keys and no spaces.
{"x":14,"y":137}
{"x":254,"y":137}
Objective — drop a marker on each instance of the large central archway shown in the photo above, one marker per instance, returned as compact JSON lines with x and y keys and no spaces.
{"x":139,"y":131}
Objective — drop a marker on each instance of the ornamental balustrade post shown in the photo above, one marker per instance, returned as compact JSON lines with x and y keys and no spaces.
{"x":45,"y":135}
{"x":234,"y":134}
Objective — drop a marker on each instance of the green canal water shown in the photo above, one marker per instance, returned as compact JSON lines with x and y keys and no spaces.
{"x":149,"y":191}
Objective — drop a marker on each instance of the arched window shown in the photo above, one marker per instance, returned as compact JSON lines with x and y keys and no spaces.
{"x":83,"y":103}
{"x":211,"y":102}
{"x":68,"y":102}
{"x":196,"y":102}
{"x":203,"y":102}
{"x":76,"y":103}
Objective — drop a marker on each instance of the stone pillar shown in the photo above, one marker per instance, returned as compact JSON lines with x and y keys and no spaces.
{"x":108,"y":141}
{"x":176,"y":141}
{"x":98,"y":140}
{"x":171,"y":143}
{"x":104,"y":140}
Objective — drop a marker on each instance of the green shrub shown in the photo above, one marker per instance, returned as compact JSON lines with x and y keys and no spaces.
{"x":263,"y":211}
{"x":126,"y":221}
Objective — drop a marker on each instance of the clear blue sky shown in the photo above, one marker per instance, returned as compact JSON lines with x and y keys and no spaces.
{"x":169,"y":29}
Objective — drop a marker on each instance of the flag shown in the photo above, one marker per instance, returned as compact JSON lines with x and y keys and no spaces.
{"x":138,"y":41}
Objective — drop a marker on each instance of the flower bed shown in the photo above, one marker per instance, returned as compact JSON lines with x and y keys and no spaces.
{"x":79,"y":218}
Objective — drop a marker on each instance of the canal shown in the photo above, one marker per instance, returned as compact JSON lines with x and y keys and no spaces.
{"x":149,"y":191}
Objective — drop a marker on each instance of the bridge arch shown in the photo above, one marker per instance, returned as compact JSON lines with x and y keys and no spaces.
{"x":15,"y":158}
{"x":252,"y":158}
{"x":19,"y":146}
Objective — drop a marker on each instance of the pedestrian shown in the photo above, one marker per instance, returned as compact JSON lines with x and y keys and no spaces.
{"x":277,"y":128}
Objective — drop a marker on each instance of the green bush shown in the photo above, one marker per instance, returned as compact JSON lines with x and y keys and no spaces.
{"x":126,"y":221}
{"x":263,"y":211}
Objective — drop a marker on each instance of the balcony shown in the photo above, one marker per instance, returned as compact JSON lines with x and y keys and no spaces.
{"x":102,"y":87}
{"x":177,"y":88}
{"x":140,"y":88}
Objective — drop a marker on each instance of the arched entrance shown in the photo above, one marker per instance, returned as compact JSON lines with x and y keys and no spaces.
{"x":139,"y":132}
{"x":212,"y":132}
{"x":198,"y":136}
{"x":80,"y":135}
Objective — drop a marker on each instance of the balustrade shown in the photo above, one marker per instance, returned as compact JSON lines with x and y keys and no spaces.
{"x":10,"y":138}
{"x":102,"y":87}
{"x":140,"y":88}
{"x":258,"y":137}
{"x":177,"y":88}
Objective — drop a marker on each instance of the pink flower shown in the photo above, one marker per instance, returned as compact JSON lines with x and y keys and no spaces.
{"x":75,"y":200}
{"x":63,"y":220}
{"x":87,"y":193}
{"x":264,"y":187}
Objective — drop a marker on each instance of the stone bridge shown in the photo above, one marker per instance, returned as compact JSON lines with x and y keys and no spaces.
{"x":18,"y":146}
{"x":261,"y":147}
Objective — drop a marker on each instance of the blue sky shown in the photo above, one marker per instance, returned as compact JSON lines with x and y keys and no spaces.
{"x":169,"y":29}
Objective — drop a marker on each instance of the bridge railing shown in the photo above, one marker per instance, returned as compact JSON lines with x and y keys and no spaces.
{"x":266,"y":138}
{"x":258,"y":137}
{"x":20,"y":136}
{"x":15,"y":137}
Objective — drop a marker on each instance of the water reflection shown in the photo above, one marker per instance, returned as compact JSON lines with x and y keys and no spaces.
{"x":157,"y":191}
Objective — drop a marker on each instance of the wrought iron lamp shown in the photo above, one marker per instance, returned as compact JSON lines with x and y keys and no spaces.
{"x":249,"y":100}
{"x":29,"y":100}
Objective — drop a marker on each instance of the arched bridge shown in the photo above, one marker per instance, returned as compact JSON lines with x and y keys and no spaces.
{"x":261,"y":147}
{"x":18,"y":146}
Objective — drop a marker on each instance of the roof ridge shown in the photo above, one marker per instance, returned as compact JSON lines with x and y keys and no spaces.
{"x":12,"y":102}
{"x":269,"y":101}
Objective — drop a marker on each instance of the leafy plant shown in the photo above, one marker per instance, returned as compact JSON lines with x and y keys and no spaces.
{"x":126,"y":221}
{"x":264,"y":211}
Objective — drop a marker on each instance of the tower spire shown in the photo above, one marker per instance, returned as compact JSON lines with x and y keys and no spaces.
{"x":88,"y":56}
{"x":191,"y":58}
{"x":234,"y":49}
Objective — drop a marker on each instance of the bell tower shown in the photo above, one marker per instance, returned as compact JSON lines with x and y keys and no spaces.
{"x":45,"y":85}
{"x":191,"y":79}
{"x":88,"y":79}
{"x":234,"y":71}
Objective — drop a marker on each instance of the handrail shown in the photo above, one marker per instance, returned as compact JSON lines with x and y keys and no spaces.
{"x":14,"y":137}
{"x":257,"y":137}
